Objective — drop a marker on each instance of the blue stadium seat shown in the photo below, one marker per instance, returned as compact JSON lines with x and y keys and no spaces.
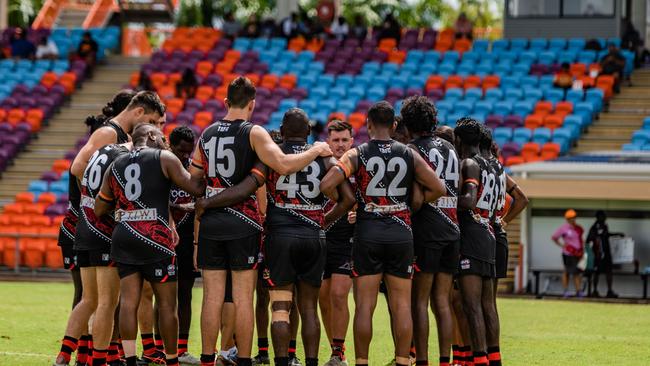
{"x":542,"y":135}
{"x":554,"y":95}
{"x":371,"y":67}
{"x":59,"y":187}
{"x":586,"y":110}
{"x":500,"y":45}
{"x":596,"y":95}
{"x":574,"y":124}
{"x":325,"y":80}
{"x":472,"y":56}
{"x":287,"y":104}
{"x":464,"y":107}
{"x":614,"y":41}
{"x":521,"y":69}
{"x":575,"y":95}
{"x":518,"y":44}
{"x":529,"y":57}
{"x":546,"y":81}
{"x":638,"y":137}
{"x":480,"y":45}
{"x":466,"y":68}
{"x":533,"y":95}
{"x":632,"y":147}
{"x":447,"y":69}
{"x":521,"y":135}
{"x":502,"y":135}
{"x":502,"y":108}
{"x":510,"y":56}
{"x":510,"y":81}
{"x":318,"y":92}
{"x":327,"y":105}
{"x":577,"y":44}
{"x":390,"y":67}
{"x":473,"y":94}
{"x":411,"y":67}
{"x":494,"y":94}
{"x":241,"y":44}
{"x":454,"y":94}
{"x":529,"y":81}
{"x":308,"y":104}
{"x":484,"y":69}
{"x":357,"y":92}
{"x":338,"y":92}
{"x":451,"y":57}
{"x":38,"y":186}
{"x":538,"y":44}
{"x":452,"y":119}
{"x":307,"y":56}
{"x":376,"y":93}
{"x":513,"y":94}
{"x":547,"y":57}
{"x":484,"y":106}
{"x":646,"y":123}
{"x":568,"y":56}
{"x":587,"y":56}
{"x":445,"y":106}
{"x":562,"y":135}
{"x":346,"y":104}
{"x":414,"y":56}
{"x":523,"y":108}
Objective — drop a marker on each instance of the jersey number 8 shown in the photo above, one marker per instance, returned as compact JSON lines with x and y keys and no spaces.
{"x":133,"y":187}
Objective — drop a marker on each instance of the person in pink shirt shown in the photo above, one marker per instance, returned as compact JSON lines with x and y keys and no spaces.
{"x":569,"y":238}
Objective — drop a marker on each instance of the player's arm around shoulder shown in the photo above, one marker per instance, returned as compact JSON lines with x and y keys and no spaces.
{"x":345,"y":197}
{"x":176,"y":172}
{"x":271,"y":154}
{"x":520,"y":200}
{"x":432,"y":186}
{"x":105,"y":201}
{"x":470,"y":173}
{"x":100,"y":138}
{"x":338,"y":173}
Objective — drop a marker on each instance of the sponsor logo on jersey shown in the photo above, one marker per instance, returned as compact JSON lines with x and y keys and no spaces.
{"x":158,"y":272}
{"x":148,"y":214}
{"x":171,"y":269}
{"x":87,"y":201}
{"x":465,"y":264}
{"x":445,"y":202}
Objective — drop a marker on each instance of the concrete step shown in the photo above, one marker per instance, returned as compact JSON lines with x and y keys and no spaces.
{"x":586,"y":145}
{"x":605,"y":131}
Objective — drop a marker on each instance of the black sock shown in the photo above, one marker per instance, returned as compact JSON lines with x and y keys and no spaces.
{"x":244,"y":361}
{"x":422,"y":363}
{"x":207,"y":359}
{"x":263,"y":346}
{"x":292,"y":348}
{"x":132,"y":361}
{"x":444,"y":360}
{"x":311,"y":361}
{"x":280,"y":361}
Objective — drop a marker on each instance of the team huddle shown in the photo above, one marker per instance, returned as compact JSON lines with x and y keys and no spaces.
{"x":417,"y":213}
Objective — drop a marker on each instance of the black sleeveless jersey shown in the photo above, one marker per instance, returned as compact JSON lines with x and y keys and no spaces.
{"x":142,"y":234}
{"x":384,"y":179}
{"x":500,"y":201}
{"x":68,"y":228}
{"x":122,"y":137}
{"x":295,"y":202}
{"x":227,"y":160}
{"x":183,"y":219}
{"x":436,"y":223}
{"x":93,"y":232}
{"x":341,"y":229}
{"x":477,"y":235}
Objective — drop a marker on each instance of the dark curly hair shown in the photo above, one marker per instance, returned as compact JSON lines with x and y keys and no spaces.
{"x":181,"y":133}
{"x":119,"y":103}
{"x":469,"y":131}
{"x":419,"y":114}
{"x":486,"y":138}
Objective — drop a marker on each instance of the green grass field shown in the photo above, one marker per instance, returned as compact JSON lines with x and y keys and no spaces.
{"x":534,"y":332}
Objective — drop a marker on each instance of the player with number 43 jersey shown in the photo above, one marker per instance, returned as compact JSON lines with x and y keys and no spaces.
{"x":137,"y":187}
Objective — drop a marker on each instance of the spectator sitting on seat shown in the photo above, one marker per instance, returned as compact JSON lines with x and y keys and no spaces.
{"x":339,"y":28}
{"x":21,"y":47}
{"x":289,"y":26}
{"x":563,"y":78}
{"x":572,"y":250}
{"x":186,"y":88}
{"x":614,"y":64}
{"x":268,"y":28}
{"x":47,"y":49}
{"x":390,"y":28}
{"x":231,"y":26}
{"x":144,"y":83}
{"x":87,"y":51}
{"x":359,"y":29}
{"x":464,"y":27}
{"x":252,"y":27}
{"x":599,"y":238}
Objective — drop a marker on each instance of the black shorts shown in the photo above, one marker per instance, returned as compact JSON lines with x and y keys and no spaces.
{"x":69,"y":257}
{"x":369,"y":258}
{"x":476,"y":267}
{"x":501,"y":258}
{"x":94,"y":258}
{"x":339,"y":257}
{"x":288,"y":260}
{"x":235,"y":254}
{"x":185,"y":260}
{"x":441,"y":260}
{"x":159,"y":272}
{"x":571,"y":264}
{"x":604,"y":265}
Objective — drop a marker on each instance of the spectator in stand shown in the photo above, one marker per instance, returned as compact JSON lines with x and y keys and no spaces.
{"x":632,"y":41}
{"x":614,"y":64}
{"x":21,"y":47}
{"x":572,"y":250}
{"x":144,"y":83}
{"x":87,"y":51}
{"x":231,"y":26}
{"x":47,"y":49}
{"x":312,"y":28}
{"x":186,"y":88}
{"x":339,"y":28}
{"x":563,"y":78}
{"x":390,"y":28}
{"x":599,"y":238}
{"x":359,"y":28}
{"x":268,"y":28}
{"x":252,"y":27}
{"x":289,"y":26}
{"x":464,"y":27}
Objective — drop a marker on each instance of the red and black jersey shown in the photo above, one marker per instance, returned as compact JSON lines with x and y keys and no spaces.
{"x":227,"y":160}
{"x":500,"y":187}
{"x":68,"y":228}
{"x":341,"y":229}
{"x":384,"y":178}
{"x":295,"y":202}
{"x":95,"y":232}
{"x":141,"y":189}
{"x":477,"y":235}
{"x":436,"y":224}
{"x":183,"y":218}
{"x":122,"y":137}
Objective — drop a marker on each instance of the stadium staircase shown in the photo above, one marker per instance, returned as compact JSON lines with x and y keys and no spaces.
{"x":71,"y":17}
{"x":626,"y":113}
{"x":66,"y":127}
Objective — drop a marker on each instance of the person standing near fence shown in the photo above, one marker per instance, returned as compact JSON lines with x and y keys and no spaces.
{"x":569,"y":238}
{"x":599,"y":237}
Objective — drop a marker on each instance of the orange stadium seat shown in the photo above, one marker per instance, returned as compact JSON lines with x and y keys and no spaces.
{"x":9,"y":252}
{"x":491,"y":81}
{"x":221,"y":92}
{"x":514,"y":160}
{"x":47,"y":198}
{"x":533,"y":121}
{"x":61,"y":165}
{"x":288,"y":81}
{"x":254,"y":78}
{"x":14,"y":208}
{"x":550,"y":151}
{"x":357,"y":120}
{"x":530,"y":149}
{"x":25,"y":197}
{"x":57,"y":220}
{"x":49,"y":79}
{"x":169,"y":127}
{"x":387,"y":44}
{"x":543,"y":107}
{"x":35,"y":119}
{"x":24,"y":220}
{"x":203,"y":119}
{"x":158,"y":79}
{"x":564,"y":108}
{"x":314,"y":45}
{"x":454,"y":81}
{"x":578,"y":69}
{"x":435,"y":82}
{"x":472,"y":81}
{"x":40,"y":221}
{"x":134,"y":80}
{"x":204,"y":92}
{"x":269,"y":81}
{"x":462,"y":45}
{"x":34,"y":208}
{"x":3,"y":114}
{"x":606,"y":83}
{"x":33,"y":252}
{"x":204,"y":68}
{"x":336,"y":115}
{"x":51,"y":231}
{"x":175,"y":105}
{"x":166,"y":92}
{"x":53,"y":256}
{"x":232,"y":55}
{"x":554,"y":121}
{"x":5,"y":219}
{"x":397,"y":56}
{"x":16,"y":115}
{"x":174,"y":78}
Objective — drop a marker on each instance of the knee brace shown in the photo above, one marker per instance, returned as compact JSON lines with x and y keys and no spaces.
{"x":280,"y":305}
